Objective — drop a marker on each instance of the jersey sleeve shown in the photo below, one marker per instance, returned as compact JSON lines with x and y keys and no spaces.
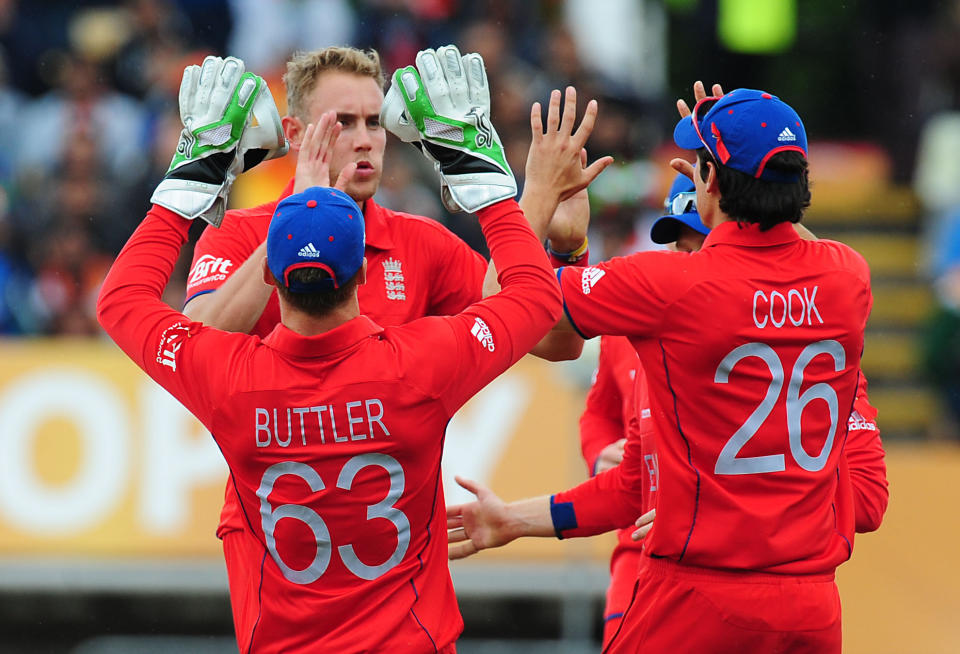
{"x":458,"y":274}
{"x":610,"y":500}
{"x":601,"y":422}
{"x":865,"y":460}
{"x":189,"y":360}
{"x":461,"y":354}
{"x":217,"y":255}
{"x":621,"y":296}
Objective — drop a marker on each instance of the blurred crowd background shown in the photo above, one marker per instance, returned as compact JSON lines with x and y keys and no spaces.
{"x":88,"y":118}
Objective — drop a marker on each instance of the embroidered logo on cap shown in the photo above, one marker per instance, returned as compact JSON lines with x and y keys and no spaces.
{"x":309,"y":250}
{"x":787,"y":135}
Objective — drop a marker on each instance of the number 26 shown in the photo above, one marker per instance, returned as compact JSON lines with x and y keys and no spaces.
{"x":728,"y":463}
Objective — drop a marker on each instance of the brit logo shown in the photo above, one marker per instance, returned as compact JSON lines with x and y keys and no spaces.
{"x":589,"y":278}
{"x":858,"y":422}
{"x":787,"y":135}
{"x":393,"y":279}
{"x":483,"y":334}
{"x":171,"y":340}
{"x":309,"y":250}
{"x":209,"y":268}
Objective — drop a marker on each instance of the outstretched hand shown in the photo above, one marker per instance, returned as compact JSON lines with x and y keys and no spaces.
{"x":556,"y":162}
{"x":316,"y":149}
{"x":699,"y":93}
{"x":477,"y":525}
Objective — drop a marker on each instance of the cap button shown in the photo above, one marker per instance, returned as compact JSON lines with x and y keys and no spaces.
{"x":766,"y":96}
{"x":311,"y":203}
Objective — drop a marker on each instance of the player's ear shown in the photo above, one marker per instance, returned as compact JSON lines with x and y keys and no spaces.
{"x":362,"y":279}
{"x":711,"y":182}
{"x":267,"y":275}
{"x":293,"y":129}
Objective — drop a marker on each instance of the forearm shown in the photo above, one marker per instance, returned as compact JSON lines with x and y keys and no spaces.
{"x":129,"y":303}
{"x":239,"y":302}
{"x":528,"y":283}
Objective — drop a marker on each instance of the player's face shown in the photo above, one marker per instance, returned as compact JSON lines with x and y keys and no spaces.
{"x":357,"y":100}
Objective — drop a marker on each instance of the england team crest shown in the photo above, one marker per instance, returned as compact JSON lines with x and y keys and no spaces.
{"x":393,"y":279}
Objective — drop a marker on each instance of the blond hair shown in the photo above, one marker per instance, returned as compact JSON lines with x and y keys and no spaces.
{"x":305,"y":68}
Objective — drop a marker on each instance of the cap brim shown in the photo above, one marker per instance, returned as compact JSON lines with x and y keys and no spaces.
{"x":667,"y":228}
{"x":685,"y":136}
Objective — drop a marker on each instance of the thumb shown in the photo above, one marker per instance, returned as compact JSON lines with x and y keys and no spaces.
{"x":469,"y":485}
{"x":346,"y":174}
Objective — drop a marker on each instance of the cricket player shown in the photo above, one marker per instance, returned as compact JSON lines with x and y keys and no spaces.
{"x":416,"y":267}
{"x":617,"y":408}
{"x":332,"y":425}
{"x":751,"y":349}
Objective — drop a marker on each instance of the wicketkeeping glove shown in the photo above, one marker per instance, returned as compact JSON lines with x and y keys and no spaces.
{"x":217,"y":143}
{"x":443,"y":107}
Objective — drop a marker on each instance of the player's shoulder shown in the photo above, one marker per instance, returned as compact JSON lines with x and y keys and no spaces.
{"x":241,"y":224}
{"x":402,"y":223}
{"x":841,"y":253}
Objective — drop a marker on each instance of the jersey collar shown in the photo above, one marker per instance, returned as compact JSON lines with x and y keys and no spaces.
{"x":375,"y":223}
{"x":326,"y":344}
{"x":376,"y":227}
{"x":749,"y":235}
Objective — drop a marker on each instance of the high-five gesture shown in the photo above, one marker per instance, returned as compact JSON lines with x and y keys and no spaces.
{"x":313,"y":160}
{"x":443,"y":106}
{"x":556,"y":161}
{"x":217,"y":101}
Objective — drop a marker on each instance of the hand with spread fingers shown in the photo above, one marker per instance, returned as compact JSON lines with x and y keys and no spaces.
{"x":478,"y":525}
{"x":556,"y":161}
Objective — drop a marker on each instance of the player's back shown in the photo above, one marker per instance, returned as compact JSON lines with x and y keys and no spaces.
{"x":339,"y":475}
{"x":758,"y":362}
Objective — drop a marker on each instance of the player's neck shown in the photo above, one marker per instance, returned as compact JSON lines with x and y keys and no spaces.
{"x":307,"y":325}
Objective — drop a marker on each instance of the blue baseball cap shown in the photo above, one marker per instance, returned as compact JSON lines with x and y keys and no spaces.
{"x":742,"y":130}
{"x":318,"y":228}
{"x":681,"y":204}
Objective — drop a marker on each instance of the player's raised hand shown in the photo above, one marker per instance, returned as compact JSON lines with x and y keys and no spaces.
{"x":477,"y":525}
{"x":316,"y":149}
{"x":699,"y":93}
{"x":645,"y":524}
{"x":556,"y":161}
{"x":443,"y":107}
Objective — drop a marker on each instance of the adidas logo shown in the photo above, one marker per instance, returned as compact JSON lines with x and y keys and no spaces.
{"x":857,"y":422}
{"x":309,"y":251}
{"x":787,"y":135}
{"x":483,"y":334}
{"x":589,"y":278}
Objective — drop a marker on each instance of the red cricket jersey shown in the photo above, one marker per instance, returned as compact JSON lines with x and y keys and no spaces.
{"x":416,"y":267}
{"x":751,"y":349}
{"x":334,"y":441}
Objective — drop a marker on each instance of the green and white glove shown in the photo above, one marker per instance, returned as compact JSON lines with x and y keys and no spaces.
{"x":443,"y":107}
{"x":217,"y":101}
